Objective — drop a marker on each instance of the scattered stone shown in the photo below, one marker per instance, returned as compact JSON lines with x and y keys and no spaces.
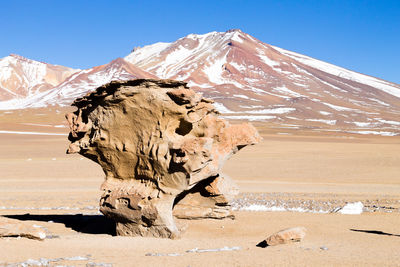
{"x":16,"y":228}
{"x":197,"y":250}
{"x":194,"y":250}
{"x":163,"y":254}
{"x":290,"y":235}
{"x":162,"y":147}
{"x":98,"y":264}
{"x":50,"y":262}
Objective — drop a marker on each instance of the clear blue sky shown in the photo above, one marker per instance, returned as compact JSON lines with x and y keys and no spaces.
{"x":359,"y":35}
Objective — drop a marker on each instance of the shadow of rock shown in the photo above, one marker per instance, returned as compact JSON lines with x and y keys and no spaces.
{"x":376,"y":232}
{"x":262,"y":244}
{"x":88,"y":224}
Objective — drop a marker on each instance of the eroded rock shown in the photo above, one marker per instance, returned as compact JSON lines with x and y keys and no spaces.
{"x":162,"y":147}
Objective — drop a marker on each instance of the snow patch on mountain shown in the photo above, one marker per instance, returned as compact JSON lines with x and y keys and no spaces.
{"x":387,"y":87}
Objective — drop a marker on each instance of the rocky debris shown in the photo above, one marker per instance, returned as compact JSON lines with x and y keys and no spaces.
{"x":16,"y":228}
{"x":312,"y":202}
{"x":162,"y":147}
{"x":156,"y":254}
{"x":290,"y":235}
{"x":63,"y":261}
{"x":195,"y":250}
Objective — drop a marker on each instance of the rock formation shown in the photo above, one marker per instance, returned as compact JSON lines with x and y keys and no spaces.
{"x":289,"y":235}
{"x":15,"y":228}
{"x":162,"y":147}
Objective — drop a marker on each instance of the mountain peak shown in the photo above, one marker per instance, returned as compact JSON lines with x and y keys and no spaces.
{"x":234,"y":30}
{"x":25,"y":59}
{"x":17,"y":56}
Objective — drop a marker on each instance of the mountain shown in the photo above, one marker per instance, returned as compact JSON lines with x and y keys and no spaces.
{"x":253,"y":80}
{"x":247,"y":78}
{"x":21,"y":77}
{"x":80,"y":83}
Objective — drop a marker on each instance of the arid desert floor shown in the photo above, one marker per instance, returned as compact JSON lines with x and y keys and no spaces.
{"x":292,"y":178}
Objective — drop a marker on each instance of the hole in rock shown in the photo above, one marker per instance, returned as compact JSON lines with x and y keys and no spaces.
{"x":184,"y":127}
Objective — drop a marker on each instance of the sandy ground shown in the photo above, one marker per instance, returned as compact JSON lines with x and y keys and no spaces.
{"x":40,"y":183}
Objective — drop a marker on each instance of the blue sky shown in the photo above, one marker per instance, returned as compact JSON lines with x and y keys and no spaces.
{"x":363,"y":36}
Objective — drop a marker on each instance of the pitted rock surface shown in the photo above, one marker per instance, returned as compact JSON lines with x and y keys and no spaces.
{"x":162,"y":147}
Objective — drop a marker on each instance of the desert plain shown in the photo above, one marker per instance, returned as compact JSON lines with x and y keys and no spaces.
{"x":294,"y":177}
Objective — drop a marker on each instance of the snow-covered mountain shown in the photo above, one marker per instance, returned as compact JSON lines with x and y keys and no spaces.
{"x":248,"y":79}
{"x":78,"y":84}
{"x":253,"y":80}
{"x":21,"y":77}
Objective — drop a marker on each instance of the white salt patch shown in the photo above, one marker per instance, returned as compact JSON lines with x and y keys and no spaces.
{"x":76,"y":258}
{"x":382,"y":133}
{"x":352,"y":208}
{"x":257,"y":207}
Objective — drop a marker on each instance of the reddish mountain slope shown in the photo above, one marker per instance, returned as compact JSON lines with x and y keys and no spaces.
{"x":79,"y":83}
{"x":21,"y":77}
{"x":247,"y":78}
{"x":253,"y":80}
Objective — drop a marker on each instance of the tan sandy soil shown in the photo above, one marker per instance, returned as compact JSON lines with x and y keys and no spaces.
{"x":37,"y":177}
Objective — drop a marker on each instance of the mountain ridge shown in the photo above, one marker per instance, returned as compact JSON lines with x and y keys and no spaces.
{"x":249,"y":80}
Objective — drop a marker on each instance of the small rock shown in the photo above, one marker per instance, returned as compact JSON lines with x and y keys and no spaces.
{"x":16,"y":228}
{"x":323,"y":248}
{"x":290,"y":235}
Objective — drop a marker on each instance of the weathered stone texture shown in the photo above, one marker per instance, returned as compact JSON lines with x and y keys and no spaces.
{"x":161,"y":145}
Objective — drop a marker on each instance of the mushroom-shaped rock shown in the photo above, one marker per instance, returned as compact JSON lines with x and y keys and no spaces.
{"x":161,"y":146}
